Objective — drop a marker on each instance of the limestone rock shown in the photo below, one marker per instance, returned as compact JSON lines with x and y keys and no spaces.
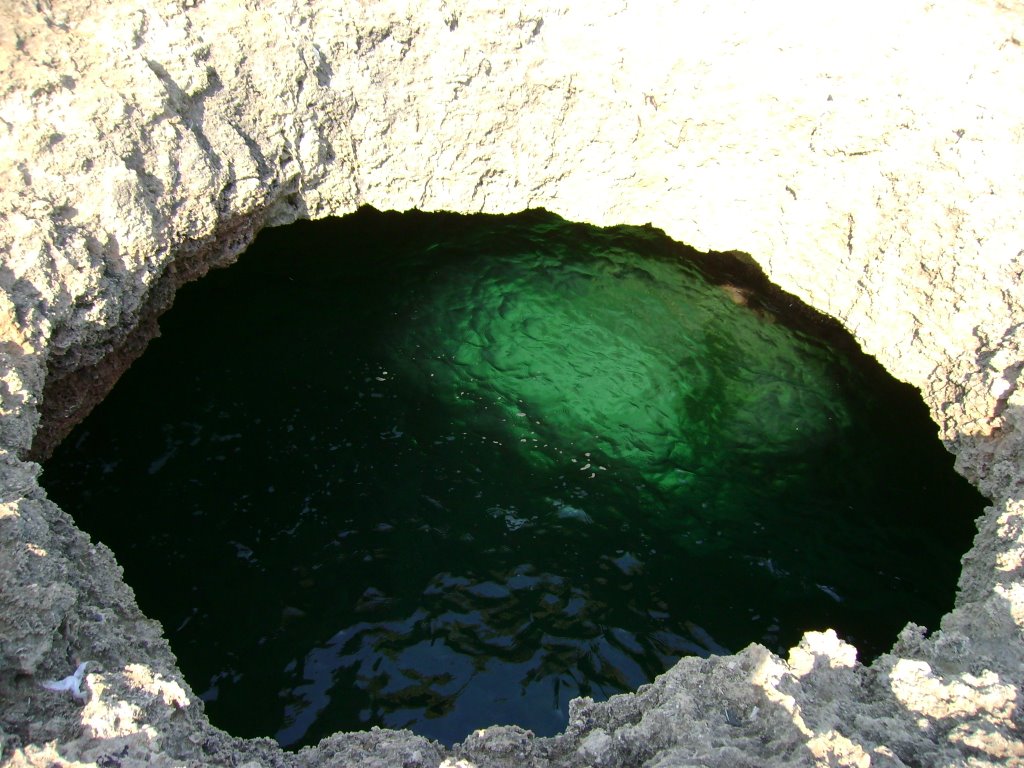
{"x":868,"y":158}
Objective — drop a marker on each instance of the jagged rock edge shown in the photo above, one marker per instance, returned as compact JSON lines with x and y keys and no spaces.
{"x":748,"y":709}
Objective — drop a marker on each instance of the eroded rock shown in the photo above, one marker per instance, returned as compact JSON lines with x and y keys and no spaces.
{"x":868,"y":159}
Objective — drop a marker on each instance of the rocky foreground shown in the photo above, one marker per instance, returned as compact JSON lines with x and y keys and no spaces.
{"x":870,"y":158}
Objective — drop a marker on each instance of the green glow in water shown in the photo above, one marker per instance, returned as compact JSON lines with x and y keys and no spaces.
{"x":644,"y":364}
{"x":439,"y":472}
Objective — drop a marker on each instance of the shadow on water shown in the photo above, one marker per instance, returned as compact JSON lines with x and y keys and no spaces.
{"x":959,"y":687}
{"x":459,"y":489}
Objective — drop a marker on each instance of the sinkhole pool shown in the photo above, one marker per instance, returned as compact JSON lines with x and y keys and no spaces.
{"x":441,"y":472}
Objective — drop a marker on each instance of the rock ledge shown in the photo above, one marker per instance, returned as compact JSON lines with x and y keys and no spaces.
{"x":870,"y":161}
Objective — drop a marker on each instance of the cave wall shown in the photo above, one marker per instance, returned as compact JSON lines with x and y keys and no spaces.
{"x":869,"y":160}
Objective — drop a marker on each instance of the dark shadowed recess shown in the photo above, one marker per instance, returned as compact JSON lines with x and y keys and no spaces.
{"x":439,"y":471}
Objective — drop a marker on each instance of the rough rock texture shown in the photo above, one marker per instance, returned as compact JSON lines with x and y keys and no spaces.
{"x":868,"y":156}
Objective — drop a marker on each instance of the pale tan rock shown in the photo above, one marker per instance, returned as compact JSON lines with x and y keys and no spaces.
{"x":868,"y":157}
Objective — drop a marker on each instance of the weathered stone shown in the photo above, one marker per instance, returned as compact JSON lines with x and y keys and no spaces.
{"x":869,"y":158}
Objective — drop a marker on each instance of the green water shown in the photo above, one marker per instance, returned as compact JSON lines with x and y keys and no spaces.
{"x":439,"y":472}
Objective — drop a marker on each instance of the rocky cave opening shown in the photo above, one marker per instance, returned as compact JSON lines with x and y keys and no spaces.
{"x":439,"y":471}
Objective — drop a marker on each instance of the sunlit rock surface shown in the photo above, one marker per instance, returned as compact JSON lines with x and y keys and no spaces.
{"x":869,"y":160}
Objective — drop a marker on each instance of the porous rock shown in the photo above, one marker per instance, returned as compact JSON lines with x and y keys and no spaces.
{"x":869,"y":157}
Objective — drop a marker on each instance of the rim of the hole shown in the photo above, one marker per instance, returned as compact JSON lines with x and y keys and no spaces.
{"x":745,"y":274}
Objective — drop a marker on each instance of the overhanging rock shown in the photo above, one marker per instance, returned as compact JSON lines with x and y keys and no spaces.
{"x":869,"y":160}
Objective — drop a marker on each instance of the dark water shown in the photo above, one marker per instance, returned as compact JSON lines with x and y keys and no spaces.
{"x":440,"y":472}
